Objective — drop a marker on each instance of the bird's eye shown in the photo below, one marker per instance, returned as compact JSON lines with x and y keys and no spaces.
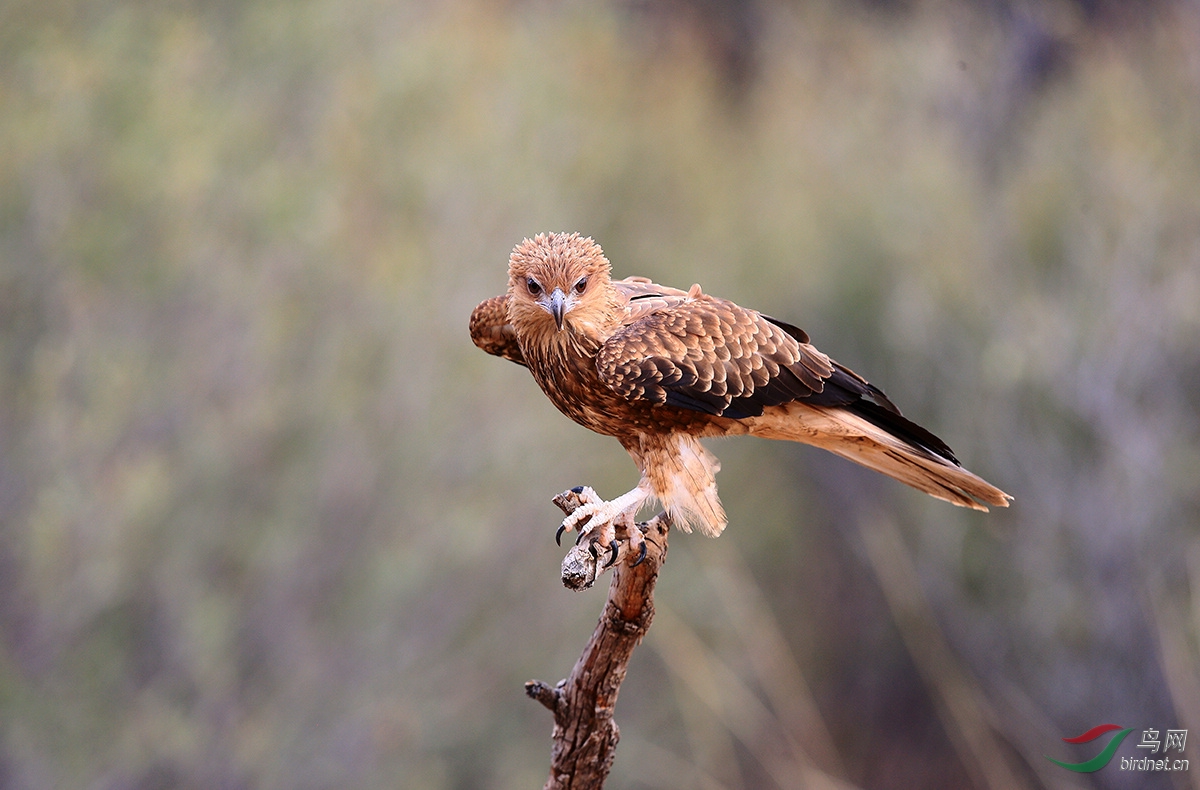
{"x":581,"y":286}
{"x":534,"y":287}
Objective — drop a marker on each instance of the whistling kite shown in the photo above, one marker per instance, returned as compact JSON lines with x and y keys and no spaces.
{"x":660,"y":368}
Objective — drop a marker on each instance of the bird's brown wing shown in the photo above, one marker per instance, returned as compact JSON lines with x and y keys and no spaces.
{"x":710,"y":355}
{"x":491,"y":331}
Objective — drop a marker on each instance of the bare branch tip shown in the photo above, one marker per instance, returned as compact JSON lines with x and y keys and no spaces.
{"x":569,"y":500}
{"x":579,"y":568}
{"x":537,"y":690}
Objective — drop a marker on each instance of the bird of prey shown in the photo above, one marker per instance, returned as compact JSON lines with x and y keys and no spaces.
{"x":659,"y":369}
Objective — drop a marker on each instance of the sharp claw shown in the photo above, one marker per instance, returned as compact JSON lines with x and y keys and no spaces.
{"x":578,"y":489}
{"x":581,"y":533}
{"x":613,"y":558}
{"x":592,"y":551}
{"x":641,"y":556}
{"x":558,"y":535}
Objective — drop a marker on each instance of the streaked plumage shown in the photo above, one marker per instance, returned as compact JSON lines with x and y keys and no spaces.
{"x":659,"y":368}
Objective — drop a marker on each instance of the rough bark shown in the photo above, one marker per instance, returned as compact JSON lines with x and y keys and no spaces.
{"x":585,"y":734}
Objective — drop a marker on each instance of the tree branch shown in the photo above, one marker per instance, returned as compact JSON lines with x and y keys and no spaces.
{"x":585,"y":735}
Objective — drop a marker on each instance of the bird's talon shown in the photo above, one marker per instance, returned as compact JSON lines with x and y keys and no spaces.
{"x":578,"y":489}
{"x":558,"y":535}
{"x":592,"y":551}
{"x":581,"y":534}
{"x":612,"y":558}
{"x":641,"y":556}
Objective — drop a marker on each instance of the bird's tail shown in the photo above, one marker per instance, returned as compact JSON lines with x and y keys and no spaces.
{"x":885,"y":442}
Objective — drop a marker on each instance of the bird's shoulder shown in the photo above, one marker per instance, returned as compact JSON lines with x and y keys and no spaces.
{"x":642,"y":297}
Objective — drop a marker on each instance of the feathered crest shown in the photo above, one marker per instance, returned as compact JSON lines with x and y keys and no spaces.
{"x":558,"y":254}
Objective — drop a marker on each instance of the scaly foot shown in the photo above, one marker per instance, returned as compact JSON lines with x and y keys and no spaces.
{"x":608,"y":525}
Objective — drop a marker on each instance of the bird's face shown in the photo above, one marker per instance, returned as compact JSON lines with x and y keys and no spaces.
{"x":557,"y":281}
{"x":558,"y":293}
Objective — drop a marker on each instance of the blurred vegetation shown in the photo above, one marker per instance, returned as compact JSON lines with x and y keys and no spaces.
{"x":267,"y":519}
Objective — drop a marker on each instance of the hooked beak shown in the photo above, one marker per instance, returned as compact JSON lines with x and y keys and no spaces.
{"x":558,"y":306}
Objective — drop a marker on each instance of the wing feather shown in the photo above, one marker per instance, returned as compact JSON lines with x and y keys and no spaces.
{"x":491,"y":331}
{"x":698,"y":352}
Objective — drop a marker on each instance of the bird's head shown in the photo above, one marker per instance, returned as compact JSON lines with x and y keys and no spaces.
{"x":556,"y":281}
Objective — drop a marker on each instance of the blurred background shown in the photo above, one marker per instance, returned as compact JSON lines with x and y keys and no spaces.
{"x":269,"y":520}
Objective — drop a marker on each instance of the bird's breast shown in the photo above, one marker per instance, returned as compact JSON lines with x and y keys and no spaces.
{"x":566,"y":372}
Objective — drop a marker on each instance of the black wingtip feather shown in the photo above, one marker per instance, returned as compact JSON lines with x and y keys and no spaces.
{"x":794,"y":331}
{"x":696,"y":401}
{"x":902,"y":428}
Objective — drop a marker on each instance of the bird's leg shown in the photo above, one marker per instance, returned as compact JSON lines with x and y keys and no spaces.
{"x":604,"y":522}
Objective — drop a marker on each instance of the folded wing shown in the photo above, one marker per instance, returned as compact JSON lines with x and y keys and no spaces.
{"x":693,"y":351}
{"x":491,"y":331}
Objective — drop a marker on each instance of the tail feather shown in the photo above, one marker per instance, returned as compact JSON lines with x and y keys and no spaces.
{"x":865,"y":442}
